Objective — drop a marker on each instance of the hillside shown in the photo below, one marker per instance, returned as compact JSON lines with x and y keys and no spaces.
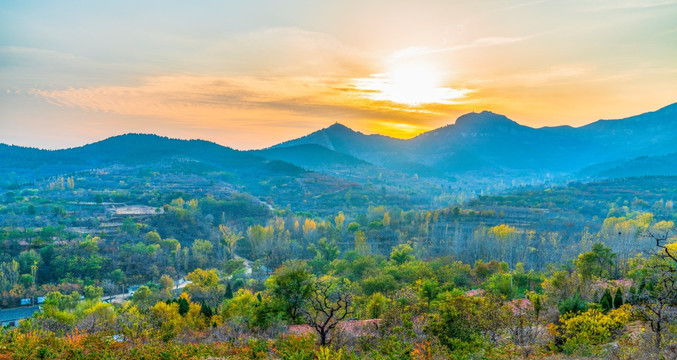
{"x":310,"y":156}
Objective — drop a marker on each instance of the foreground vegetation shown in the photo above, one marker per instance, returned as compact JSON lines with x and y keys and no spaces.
{"x":425,"y":309}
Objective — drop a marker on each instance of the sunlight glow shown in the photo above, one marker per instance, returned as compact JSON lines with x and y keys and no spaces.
{"x":409,"y":84}
{"x":398,"y":129}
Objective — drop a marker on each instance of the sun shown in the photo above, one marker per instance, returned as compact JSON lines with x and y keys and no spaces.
{"x":412,"y":84}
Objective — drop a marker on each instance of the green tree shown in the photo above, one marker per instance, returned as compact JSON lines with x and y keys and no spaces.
{"x":152,"y":237}
{"x":26,"y":280}
{"x":606,"y":301}
{"x":184,"y":306}
{"x":119,"y":278}
{"x":27,"y":259}
{"x":202,"y":251}
{"x":401,"y":253}
{"x":597,"y":262}
{"x":618,"y":298}
{"x":229,"y":291}
{"x":130,"y":227}
{"x":143,"y":297}
{"x":166,"y":282}
{"x":429,"y":290}
{"x":572,"y":305}
{"x":291,"y":285}
{"x":353,"y":227}
{"x":455,"y":324}
{"x":93,"y":292}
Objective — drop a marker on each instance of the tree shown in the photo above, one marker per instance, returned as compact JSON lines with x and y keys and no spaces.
{"x":27,"y":259}
{"x":118,"y":277}
{"x":291,"y":285}
{"x":205,"y":287}
{"x":229,"y":240}
{"x":429,"y":290}
{"x":386,"y":219}
{"x":656,"y":300}
{"x":184,"y":305}
{"x":338,"y":220}
{"x":167,"y":319}
{"x":130,"y":227}
{"x":505,"y":236}
{"x":325,"y":251}
{"x":361,"y":246}
{"x":202,"y":251}
{"x":152,"y":237}
{"x":401,"y":253}
{"x":572,"y":305}
{"x":26,"y":280}
{"x":328,"y":304}
{"x":93,"y":292}
{"x":606,"y":301}
{"x":166,"y":282}
{"x":353,"y":227}
{"x":143,"y":297}
{"x":455,"y":324}
{"x":618,"y":298}
{"x":597,"y":262}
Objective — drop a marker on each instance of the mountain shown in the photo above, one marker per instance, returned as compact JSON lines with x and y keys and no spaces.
{"x":178,"y":164}
{"x":310,"y":156}
{"x":339,"y":138}
{"x":183,"y":168}
{"x":479,"y":150}
{"x":659,"y":165}
{"x":133,"y":149}
{"x":491,"y":144}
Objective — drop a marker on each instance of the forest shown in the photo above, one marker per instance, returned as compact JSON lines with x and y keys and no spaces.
{"x":176,"y":260}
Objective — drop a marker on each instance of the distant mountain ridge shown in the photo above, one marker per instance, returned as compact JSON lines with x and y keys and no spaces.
{"x":483,"y":145}
{"x":134,"y":150}
{"x":486,"y":142}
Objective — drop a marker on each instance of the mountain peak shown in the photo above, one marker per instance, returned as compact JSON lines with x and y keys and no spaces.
{"x":485,"y":118}
{"x":338,"y":127}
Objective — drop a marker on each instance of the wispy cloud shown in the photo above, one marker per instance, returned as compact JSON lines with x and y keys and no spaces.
{"x":608,"y":5}
{"x":411,"y":52}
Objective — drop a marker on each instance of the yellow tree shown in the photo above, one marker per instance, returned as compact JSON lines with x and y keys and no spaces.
{"x":505,"y":235}
{"x":338,"y":220}
{"x":361,"y":246}
{"x":386,"y":219}
{"x":229,"y":239}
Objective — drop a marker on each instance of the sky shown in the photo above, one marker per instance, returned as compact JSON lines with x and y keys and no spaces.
{"x":250,"y":74}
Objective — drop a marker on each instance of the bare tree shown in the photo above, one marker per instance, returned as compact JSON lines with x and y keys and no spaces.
{"x":656,"y":302}
{"x":328,"y":304}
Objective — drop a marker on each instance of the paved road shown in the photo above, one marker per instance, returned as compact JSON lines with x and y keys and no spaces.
{"x":247,"y":264}
{"x":120,"y":298}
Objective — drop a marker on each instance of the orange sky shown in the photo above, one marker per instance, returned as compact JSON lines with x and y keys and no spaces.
{"x":253,"y":74}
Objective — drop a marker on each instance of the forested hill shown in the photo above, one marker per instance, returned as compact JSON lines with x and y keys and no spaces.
{"x":134,"y":150}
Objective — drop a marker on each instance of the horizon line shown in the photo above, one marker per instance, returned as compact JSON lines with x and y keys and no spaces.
{"x":335,"y":123}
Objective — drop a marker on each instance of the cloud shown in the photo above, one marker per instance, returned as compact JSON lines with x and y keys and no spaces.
{"x":416,"y":51}
{"x":607,"y":5}
{"x":239,"y":102}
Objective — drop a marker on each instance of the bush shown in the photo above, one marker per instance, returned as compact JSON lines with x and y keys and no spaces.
{"x":295,"y":347}
{"x":592,"y":327}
